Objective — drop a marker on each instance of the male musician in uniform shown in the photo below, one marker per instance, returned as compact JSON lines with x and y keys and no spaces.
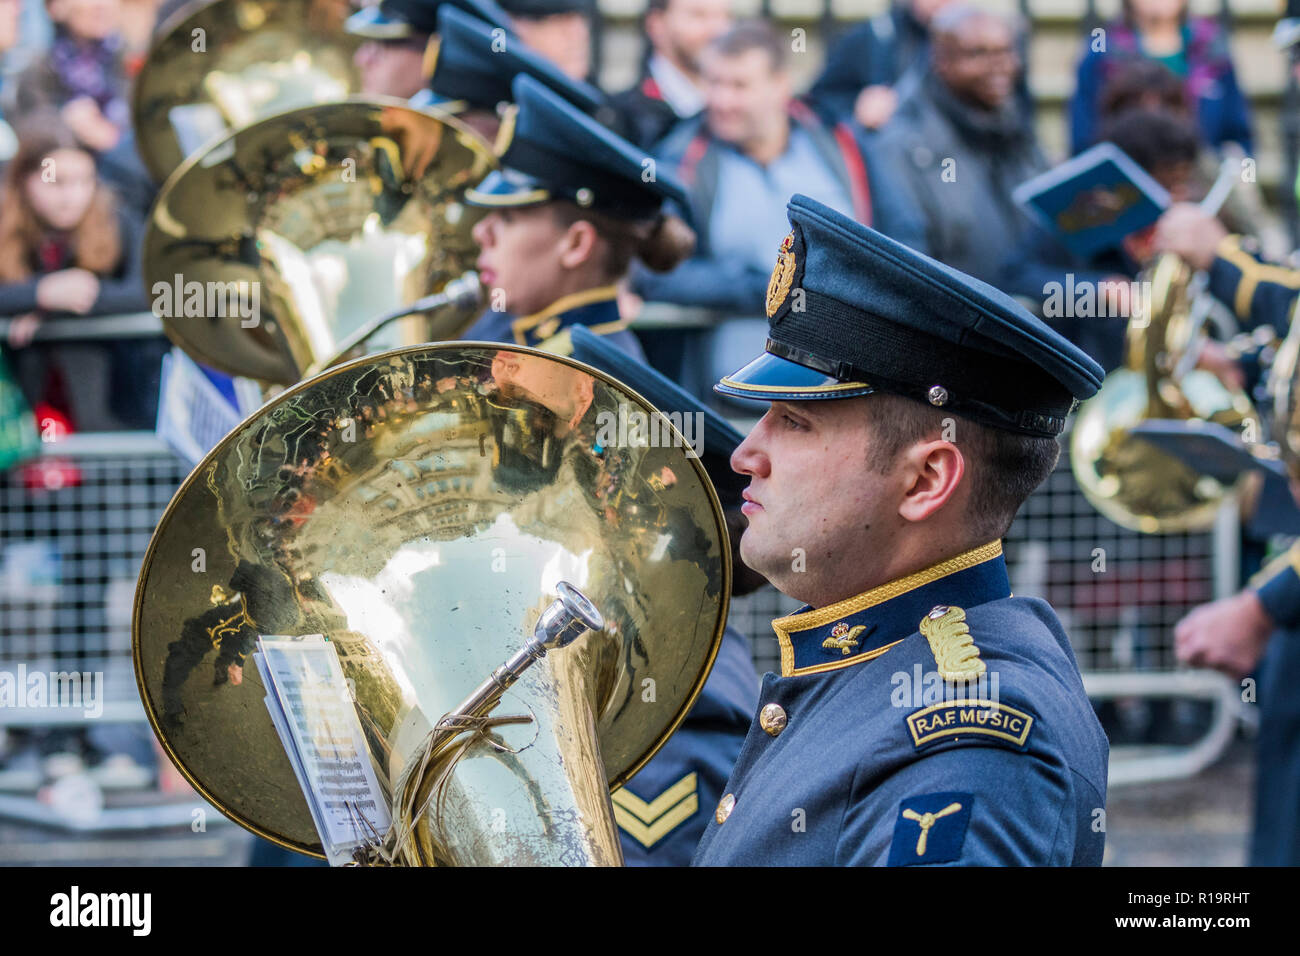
{"x":923,"y":715}
{"x":1231,"y":634}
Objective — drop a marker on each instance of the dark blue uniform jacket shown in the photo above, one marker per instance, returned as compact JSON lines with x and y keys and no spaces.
{"x":933,"y":720}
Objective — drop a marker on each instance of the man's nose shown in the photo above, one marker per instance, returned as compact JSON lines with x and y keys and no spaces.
{"x":482,"y":231}
{"x":749,"y":457}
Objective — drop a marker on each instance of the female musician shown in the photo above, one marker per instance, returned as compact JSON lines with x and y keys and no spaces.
{"x":571,"y":208}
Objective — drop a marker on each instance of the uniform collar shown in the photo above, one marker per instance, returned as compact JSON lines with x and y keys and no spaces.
{"x":595,"y":308}
{"x":862,"y":628}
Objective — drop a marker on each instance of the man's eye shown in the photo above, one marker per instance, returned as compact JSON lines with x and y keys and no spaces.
{"x":792,"y":424}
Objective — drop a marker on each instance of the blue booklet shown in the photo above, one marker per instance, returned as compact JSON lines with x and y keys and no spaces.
{"x":1091,"y":202}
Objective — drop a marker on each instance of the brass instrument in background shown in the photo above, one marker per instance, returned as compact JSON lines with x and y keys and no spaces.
{"x":1284,"y":395}
{"x":218,"y":66}
{"x":334,"y":214}
{"x":420,"y":508}
{"x":1127,"y":479}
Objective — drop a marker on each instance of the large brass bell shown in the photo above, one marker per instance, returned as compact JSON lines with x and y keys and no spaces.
{"x":420,"y":508}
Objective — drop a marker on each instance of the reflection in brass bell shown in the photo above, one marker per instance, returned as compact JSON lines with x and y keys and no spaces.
{"x":420,"y":508}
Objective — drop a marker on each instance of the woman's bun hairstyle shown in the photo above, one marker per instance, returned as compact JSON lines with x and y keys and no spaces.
{"x":669,"y":243}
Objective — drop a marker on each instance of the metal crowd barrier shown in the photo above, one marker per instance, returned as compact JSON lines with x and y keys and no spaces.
{"x":74,"y":526}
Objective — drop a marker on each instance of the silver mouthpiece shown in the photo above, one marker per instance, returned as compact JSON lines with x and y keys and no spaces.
{"x":569,"y":617}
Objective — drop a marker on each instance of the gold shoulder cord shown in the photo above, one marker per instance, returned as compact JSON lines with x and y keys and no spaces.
{"x":952,"y":644}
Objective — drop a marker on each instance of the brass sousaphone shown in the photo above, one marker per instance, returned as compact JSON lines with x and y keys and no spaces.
{"x":334,"y":216}
{"x":224,"y":64}
{"x":1129,"y":480}
{"x":1284,"y":395}
{"x":421,"y":509}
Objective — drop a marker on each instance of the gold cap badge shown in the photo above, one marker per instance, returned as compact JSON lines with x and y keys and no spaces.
{"x":778,"y":287}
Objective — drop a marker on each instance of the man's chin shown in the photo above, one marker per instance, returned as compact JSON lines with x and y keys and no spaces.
{"x":756,"y":559}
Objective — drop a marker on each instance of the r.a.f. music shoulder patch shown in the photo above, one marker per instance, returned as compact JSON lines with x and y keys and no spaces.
{"x":950,"y":719}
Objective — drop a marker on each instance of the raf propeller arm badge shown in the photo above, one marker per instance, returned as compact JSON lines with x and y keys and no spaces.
{"x":931,"y":828}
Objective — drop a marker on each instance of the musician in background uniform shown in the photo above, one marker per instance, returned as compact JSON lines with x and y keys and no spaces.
{"x":476,"y":64}
{"x":570,"y":208}
{"x":1235,"y":634}
{"x":663,"y":810}
{"x":913,"y":409}
{"x":560,"y":30}
{"x":400,"y":42}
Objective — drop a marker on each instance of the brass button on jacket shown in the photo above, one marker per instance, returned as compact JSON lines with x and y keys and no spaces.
{"x":725,"y":806}
{"x":772,"y":719}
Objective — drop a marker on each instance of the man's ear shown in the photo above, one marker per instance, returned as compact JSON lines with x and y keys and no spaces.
{"x":935,"y":470}
{"x":578,"y":244}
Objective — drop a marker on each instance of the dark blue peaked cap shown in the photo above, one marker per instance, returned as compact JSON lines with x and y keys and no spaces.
{"x":421,"y":16}
{"x":852,"y":312}
{"x":719,"y":438}
{"x":476,"y":63}
{"x":373,"y":24}
{"x":555,"y":151}
{"x":536,"y":9}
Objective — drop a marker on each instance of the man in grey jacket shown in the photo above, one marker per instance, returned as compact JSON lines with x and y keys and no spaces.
{"x":752,"y":148}
{"x":959,"y":144}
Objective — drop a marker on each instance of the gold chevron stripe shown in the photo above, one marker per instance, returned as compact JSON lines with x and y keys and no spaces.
{"x":648,"y":836}
{"x":652,"y":811}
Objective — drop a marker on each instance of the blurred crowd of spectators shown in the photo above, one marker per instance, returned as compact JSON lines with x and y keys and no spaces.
{"x":75,"y":196}
{"x":920,"y":123}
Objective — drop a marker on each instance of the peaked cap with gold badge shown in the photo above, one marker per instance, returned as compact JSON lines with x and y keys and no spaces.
{"x":398,"y":19}
{"x":852,"y":312}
